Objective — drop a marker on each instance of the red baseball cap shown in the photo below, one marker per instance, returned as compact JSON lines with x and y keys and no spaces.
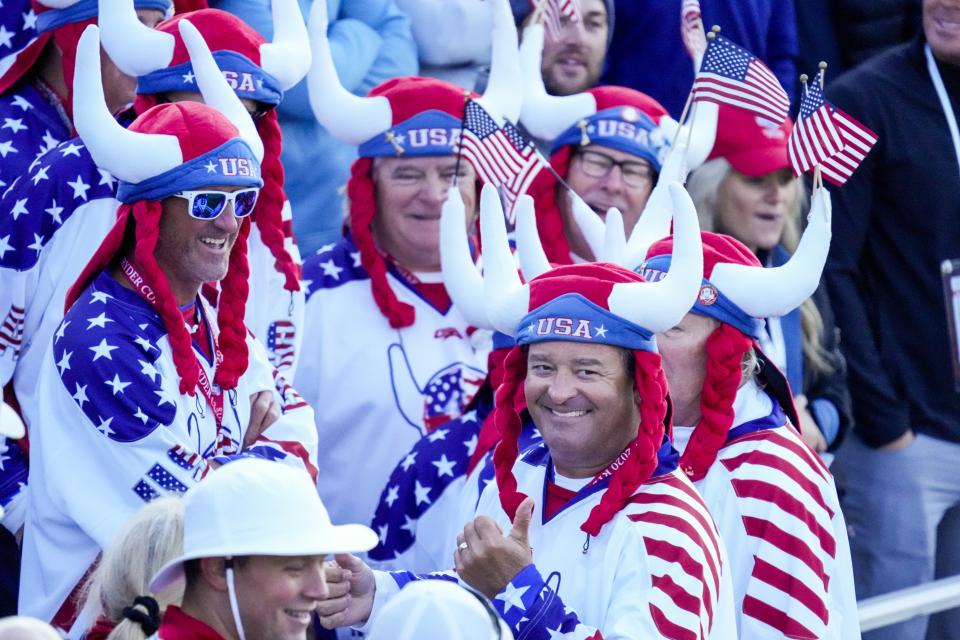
{"x":752,"y":144}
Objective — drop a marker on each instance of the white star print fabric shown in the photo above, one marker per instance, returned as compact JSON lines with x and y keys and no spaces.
{"x":378,"y":389}
{"x":115,"y":432}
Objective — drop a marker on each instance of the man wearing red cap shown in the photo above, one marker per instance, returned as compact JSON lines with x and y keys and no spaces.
{"x":388,"y":356}
{"x":773,"y":499}
{"x":36,"y":75}
{"x":145,"y":387}
{"x":609,"y":145}
{"x":607,"y":538}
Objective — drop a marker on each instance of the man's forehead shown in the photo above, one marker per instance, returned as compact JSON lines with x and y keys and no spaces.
{"x":571,"y":350}
{"x":420,"y":163}
{"x":616,"y":154}
{"x":588,"y":7}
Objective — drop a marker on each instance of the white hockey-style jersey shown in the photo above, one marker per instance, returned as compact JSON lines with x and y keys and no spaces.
{"x":776,"y":507}
{"x":377,"y":390}
{"x":657,"y":569}
{"x":52,"y":220}
{"x":115,"y":433}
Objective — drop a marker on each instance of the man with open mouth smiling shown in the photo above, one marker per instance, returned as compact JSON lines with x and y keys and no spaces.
{"x":255,"y":539}
{"x":389,"y":356}
{"x":145,"y":384}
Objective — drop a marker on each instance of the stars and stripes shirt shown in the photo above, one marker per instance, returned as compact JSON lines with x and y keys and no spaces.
{"x":29,"y":127}
{"x":657,"y":570}
{"x":776,"y":507}
{"x":114,"y":432}
{"x":377,"y":389}
{"x":430,"y":496}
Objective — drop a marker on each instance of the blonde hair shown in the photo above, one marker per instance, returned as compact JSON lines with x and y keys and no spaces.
{"x":704,"y":187}
{"x":153,"y":537}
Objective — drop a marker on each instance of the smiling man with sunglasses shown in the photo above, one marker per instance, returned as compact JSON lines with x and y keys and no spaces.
{"x":146,"y":385}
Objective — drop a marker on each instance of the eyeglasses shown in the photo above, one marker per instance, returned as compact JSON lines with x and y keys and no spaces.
{"x":207,"y":205}
{"x":599,"y":165}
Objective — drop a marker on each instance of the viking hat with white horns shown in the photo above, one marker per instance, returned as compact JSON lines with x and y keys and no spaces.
{"x":59,"y":20}
{"x":408,"y":117}
{"x":739,"y":292}
{"x":594,"y":303}
{"x":256,"y":70}
{"x":616,"y":117}
{"x":167,"y":149}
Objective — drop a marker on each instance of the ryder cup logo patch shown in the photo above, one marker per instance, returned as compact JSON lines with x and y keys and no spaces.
{"x":708,"y":295}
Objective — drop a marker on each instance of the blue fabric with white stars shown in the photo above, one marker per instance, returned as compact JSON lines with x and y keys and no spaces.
{"x":432,"y":465}
{"x":636,"y":134}
{"x":263,"y":87}
{"x":30,"y":127}
{"x":118,"y":389}
{"x":13,"y":470}
{"x":333,"y":265}
{"x":43,"y":199}
{"x":215,"y":167}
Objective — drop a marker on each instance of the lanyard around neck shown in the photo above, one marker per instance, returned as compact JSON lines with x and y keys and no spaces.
{"x":944,"y":102}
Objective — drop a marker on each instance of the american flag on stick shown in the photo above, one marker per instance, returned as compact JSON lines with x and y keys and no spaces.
{"x":734,"y":76}
{"x":857,"y":142}
{"x":533,"y":163}
{"x":503,"y":157}
{"x":814,"y":137}
{"x":553,"y":11}
{"x":500,"y":156}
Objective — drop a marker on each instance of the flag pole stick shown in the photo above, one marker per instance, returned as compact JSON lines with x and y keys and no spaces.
{"x":686,"y":107}
{"x":817,"y":174}
{"x":463,"y":121}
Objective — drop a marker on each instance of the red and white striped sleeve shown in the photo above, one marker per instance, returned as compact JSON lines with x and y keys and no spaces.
{"x":789,"y":558}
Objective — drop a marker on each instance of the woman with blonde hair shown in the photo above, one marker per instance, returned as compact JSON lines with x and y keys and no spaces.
{"x":747,"y":190}
{"x":116,"y":594}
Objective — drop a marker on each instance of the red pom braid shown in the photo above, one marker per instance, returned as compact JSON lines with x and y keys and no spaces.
{"x":147,"y":215}
{"x":652,"y":387}
{"x":549,"y":219}
{"x":268,"y":214}
{"x":363,"y":207}
{"x":232,"y":340}
{"x":230,"y":313}
{"x":725,"y":349}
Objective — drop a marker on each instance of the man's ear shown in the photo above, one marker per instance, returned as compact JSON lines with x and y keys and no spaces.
{"x":213,"y":571}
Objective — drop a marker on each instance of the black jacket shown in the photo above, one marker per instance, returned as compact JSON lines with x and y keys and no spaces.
{"x":894,"y":222}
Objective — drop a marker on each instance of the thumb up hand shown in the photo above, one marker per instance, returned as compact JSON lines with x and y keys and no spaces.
{"x":486,"y":559}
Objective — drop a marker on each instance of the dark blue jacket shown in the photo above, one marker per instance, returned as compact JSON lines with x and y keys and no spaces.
{"x":647,"y":53}
{"x":894,"y":222}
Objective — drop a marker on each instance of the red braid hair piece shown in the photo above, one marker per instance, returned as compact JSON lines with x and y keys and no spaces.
{"x":508,"y":423}
{"x":549,"y":219}
{"x":147,"y":215}
{"x":652,"y":386}
{"x":268,"y":213}
{"x":725,"y":349}
{"x":363,"y":207}
{"x":233,"y":301}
